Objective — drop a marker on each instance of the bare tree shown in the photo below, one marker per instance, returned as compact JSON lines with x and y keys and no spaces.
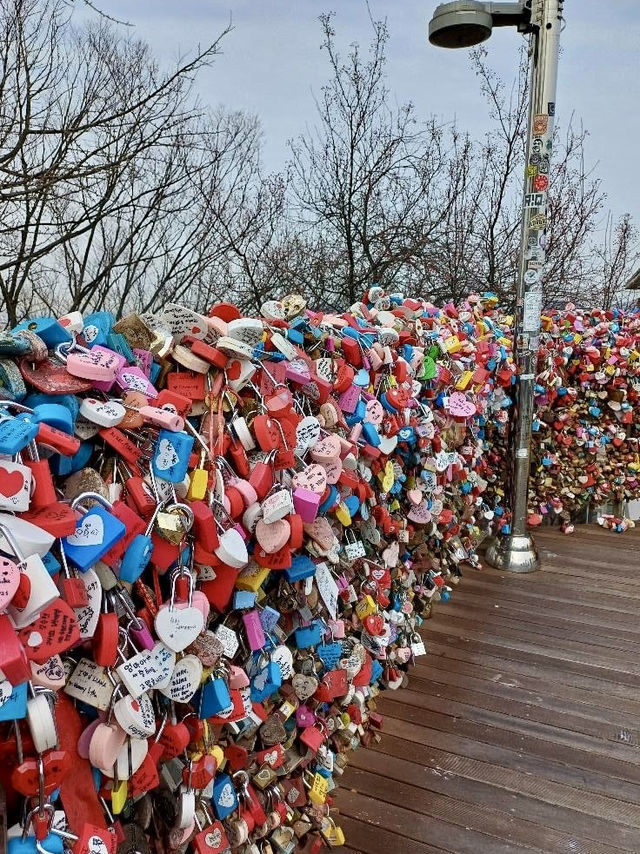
{"x":102,"y":157}
{"x":366,"y":180}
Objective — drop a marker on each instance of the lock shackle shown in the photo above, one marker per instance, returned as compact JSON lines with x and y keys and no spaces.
{"x":116,"y":695}
{"x":94,"y":496}
{"x":154,"y":516}
{"x":134,"y":619}
{"x":218,"y":503}
{"x":181,"y":572}
{"x":11,"y":540}
{"x":39,"y":811}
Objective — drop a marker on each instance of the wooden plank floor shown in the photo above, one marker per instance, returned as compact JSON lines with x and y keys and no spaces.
{"x":520,"y":730}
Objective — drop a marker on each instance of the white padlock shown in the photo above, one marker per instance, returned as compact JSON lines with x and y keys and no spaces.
{"x":42,"y":723}
{"x":42,"y":590}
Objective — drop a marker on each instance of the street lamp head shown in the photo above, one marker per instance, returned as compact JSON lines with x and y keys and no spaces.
{"x":463,"y":23}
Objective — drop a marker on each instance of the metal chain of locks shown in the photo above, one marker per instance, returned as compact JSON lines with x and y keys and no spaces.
{"x":222,"y":535}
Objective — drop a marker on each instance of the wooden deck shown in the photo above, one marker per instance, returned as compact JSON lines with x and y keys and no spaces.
{"x":520,"y":731}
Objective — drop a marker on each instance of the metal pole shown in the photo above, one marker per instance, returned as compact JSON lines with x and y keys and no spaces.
{"x":516,"y":551}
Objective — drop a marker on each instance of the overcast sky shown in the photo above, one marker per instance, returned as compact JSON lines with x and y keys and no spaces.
{"x":271,"y":65}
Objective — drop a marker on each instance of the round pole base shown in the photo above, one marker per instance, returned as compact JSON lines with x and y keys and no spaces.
{"x":513,"y":553}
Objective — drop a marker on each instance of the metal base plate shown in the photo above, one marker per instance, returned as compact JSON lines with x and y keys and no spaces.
{"x":513,"y":553}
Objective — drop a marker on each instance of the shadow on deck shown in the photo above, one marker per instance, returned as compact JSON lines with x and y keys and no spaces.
{"x":520,"y":730}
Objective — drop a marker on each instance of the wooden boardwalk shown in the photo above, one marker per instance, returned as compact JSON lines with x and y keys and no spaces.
{"x":520,"y":731}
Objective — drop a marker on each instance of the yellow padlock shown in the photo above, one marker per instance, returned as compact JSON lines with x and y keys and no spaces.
{"x":119,"y":794}
{"x":365,"y":607}
{"x":342,"y":514}
{"x":332,"y":834}
{"x":463,"y":380}
{"x":387,"y":477}
{"x":252,"y":577}
{"x":198,"y":484}
{"x":319,"y":789}
{"x":452,"y":344}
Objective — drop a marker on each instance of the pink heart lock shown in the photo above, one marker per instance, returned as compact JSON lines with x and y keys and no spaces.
{"x":131,"y":378}
{"x":273,"y":536}
{"x":460,"y":406}
{"x":414,"y":496}
{"x":313,"y":478}
{"x":320,"y":532}
{"x":333,"y":470}
{"x":106,"y":743}
{"x":420,"y":514}
{"x":327,"y":449}
{"x":306,"y":504}
{"x":9,"y":581}
{"x":87,"y":734}
{"x":374,"y":413}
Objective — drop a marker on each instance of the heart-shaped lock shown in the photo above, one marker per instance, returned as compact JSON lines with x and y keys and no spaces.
{"x":178,"y":627}
{"x":304,"y":686}
{"x":135,"y":715}
{"x":272,"y":537}
{"x":54,"y":631}
{"x":326,"y":450}
{"x":312,"y":478}
{"x":185,"y":679}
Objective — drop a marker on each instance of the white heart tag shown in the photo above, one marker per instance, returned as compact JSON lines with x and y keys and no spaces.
{"x":90,"y":531}
{"x":226,"y":797}
{"x":136,"y":715}
{"x":166,"y":455}
{"x":177,"y":628}
{"x":185,"y":679}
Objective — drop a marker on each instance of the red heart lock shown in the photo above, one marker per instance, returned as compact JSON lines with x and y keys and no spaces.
{"x":237,"y":756}
{"x":55,"y":630}
{"x":174,"y":739}
{"x":266,"y":432}
{"x":56,"y":765}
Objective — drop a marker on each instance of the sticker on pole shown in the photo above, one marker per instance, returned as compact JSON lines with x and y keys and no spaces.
{"x":531,"y":312}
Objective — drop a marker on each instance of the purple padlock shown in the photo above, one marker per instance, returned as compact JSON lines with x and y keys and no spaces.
{"x":141,"y":636}
{"x":254,"y":630}
{"x":306,"y":504}
{"x":349,"y":398}
{"x":305,"y":717}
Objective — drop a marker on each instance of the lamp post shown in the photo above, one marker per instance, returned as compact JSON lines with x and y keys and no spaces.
{"x":463,"y":24}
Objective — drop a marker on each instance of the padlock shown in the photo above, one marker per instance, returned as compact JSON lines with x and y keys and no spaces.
{"x":35,"y":590}
{"x":96,"y":532}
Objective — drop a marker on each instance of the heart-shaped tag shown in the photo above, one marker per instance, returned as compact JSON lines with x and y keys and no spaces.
{"x":313,"y":478}
{"x":272,"y":537}
{"x":9,"y":582}
{"x":307,"y":434}
{"x":166,"y":455}
{"x":374,"y":412}
{"x":226,"y":797}
{"x":326,"y":449}
{"x":178,"y":627}
{"x":89,"y":532}
{"x":136,"y":715}
{"x":106,"y":413}
{"x":415,"y":496}
{"x":49,"y":674}
{"x":55,"y":630}
{"x":460,"y":406}
{"x":420,"y":514}
{"x":184,"y":680}
{"x":304,"y":686}
{"x":320,"y":532}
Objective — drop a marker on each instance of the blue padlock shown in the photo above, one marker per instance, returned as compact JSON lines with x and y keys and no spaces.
{"x":119,"y":344}
{"x":352,"y":504}
{"x":357,"y":416}
{"x":138,"y":554}
{"x":97,"y":328}
{"x":371,"y":436}
{"x":307,"y":636}
{"x":266,"y":682}
{"x":51,"y":564}
{"x":244,"y":599}
{"x":330,"y":501}
{"x":155,"y":372}
{"x":16,"y":433}
{"x":171,"y":455}
{"x":213,"y":697}
{"x":330,"y":654}
{"x":269,"y":618}
{"x":96,"y":532}
{"x":301,"y":567}
{"x":68,"y":400}
{"x":14,"y":707}
{"x":47,"y":328}
{"x":54,"y":415}
{"x":224,"y":799}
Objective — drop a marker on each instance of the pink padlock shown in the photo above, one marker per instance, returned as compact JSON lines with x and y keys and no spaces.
{"x":98,"y":364}
{"x":254,"y":630}
{"x":306,"y":504}
{"x":238,"y":679}
{"x":141,"y":635}
{"x":162,"y":418}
